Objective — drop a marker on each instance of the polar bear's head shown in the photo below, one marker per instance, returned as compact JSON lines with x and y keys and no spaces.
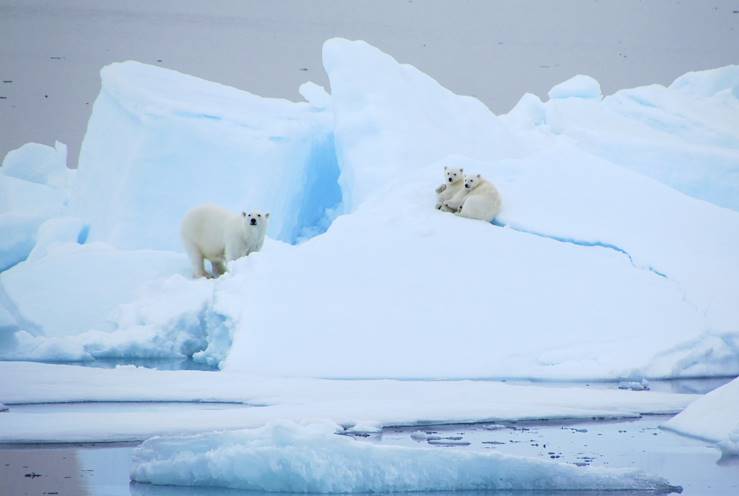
{"x":255,"y":218}
{"x":453,"y":175}
{"x":471,"y":181}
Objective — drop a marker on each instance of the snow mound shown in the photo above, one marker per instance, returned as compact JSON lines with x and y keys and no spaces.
{"x":682,"y":136}
{"x":289,"y":457}
{"x":34,"y":186}
{"x":181,"y":142}
{"x":579,"y":86}
{"x":39,"y":164}
{"x":709,"y":83}
{"x":61,"y":294}
{"x":714,"y":417}
{"x":385,"y":124}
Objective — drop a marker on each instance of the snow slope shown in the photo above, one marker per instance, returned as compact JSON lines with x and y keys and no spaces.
{"x":714,"y":417}
{"x":311,"y":458}
{"x":357,"y":405}
{"x":596,"y":268}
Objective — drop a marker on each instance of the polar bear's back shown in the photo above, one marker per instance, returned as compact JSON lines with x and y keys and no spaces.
{"x":204,"y":227}
{"x":482,"y":203}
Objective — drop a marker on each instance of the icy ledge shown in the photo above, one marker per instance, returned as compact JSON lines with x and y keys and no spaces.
{"x":289,"y":457}
{"x":714,"y":417}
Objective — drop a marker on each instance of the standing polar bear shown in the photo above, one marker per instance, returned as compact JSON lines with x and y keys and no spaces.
{"x":479,"y":199}
{"x":453,"y":184}
{"x":212,"y":233}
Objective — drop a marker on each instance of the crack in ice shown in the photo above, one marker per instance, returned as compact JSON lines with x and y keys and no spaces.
{"x":589,"y":244}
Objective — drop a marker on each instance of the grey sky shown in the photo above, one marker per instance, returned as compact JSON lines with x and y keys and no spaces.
{"x":52,"y":50}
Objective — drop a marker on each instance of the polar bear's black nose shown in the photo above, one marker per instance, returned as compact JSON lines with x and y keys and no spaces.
{"x":450,"y":179}
{"x":253,"y":222}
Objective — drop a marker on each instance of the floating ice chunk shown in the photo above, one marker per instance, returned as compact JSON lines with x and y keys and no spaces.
{"x":642,"y":385}
{"x":710,"y":82}
{"x":38,"y":163}
{"x":419,"y":436}
{"x":294,"y":458}
{"x":579,"y":86}
{"x":729,"y":446}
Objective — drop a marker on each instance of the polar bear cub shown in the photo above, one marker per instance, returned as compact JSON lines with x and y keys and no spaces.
{"x":478,"y":200}
{"x":212,"y":233}
{"x":453,"y":184}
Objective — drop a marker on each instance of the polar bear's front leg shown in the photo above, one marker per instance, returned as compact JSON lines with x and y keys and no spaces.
{"x":233,"y":249}
{"x":455,"y":202}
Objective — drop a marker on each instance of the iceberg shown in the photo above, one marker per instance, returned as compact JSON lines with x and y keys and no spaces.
{"x":311,"y":458}
{"x":600,"y":266}
{"x":180,"y":142}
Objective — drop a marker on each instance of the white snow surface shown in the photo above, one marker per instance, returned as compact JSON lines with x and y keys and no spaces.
{"x":714,"y":417}
{"x":311,"y":458}
{"x":357,"y":405}
{"x":67,"y":291}
{"x":599,"y":265}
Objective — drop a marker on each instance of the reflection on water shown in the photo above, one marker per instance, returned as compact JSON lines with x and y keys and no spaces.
{"x":42,"y":471}
{"x":149,"y":363}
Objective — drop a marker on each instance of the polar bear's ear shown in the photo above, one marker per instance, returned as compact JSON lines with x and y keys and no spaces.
{"x":445,"y":167}
{"x":478,"y":175}
{"x":243,"y":214}
{"x":266,"y":215}
{"x":461,"y":170}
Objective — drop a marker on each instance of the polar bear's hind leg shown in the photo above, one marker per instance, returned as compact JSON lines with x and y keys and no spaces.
{"x":196,"y":258}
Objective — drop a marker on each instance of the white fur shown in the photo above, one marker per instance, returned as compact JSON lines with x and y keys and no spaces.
{"x":212,"y":233}
{"x":453,"y":184}
{"x":478,"y":200}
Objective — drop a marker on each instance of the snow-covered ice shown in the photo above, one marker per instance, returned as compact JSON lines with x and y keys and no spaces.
{"x":358,"y":405}
{"x":68,"y":291}
{"x":714,"y":417}
{"x":599,"y":265}
{"x":311,"y":458}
